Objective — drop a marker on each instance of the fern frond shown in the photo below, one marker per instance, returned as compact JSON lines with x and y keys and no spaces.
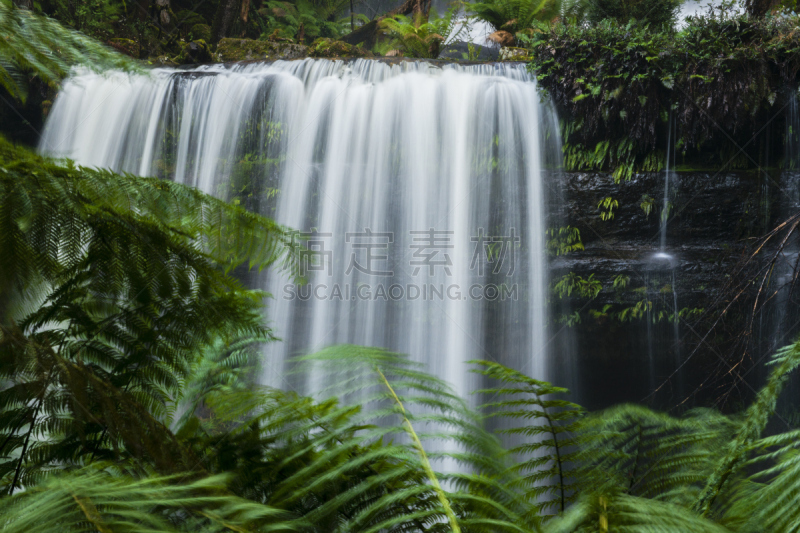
{"x":406,"y":410}
{"x":624,"y":513}
{"x":92,"y":500}
{"x":643,"y":453}
{"x":33,"y":45}
{"x":784,"y":362}
{"x":515,"y":15}
{"x":130,"y":281}
{"x":546,"y":467}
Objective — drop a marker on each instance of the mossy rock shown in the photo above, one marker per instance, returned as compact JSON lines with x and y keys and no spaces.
{"x":509,"y":53}
{"x":126,"y":46}
{"x":329,"y":48}
{"x":194,"y":52}
{"x":201,"y":32}
{"x":162,"y":61}
{"x":230,"y":49}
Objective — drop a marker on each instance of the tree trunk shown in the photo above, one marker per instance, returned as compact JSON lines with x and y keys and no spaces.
{"x":24,"y":4}
{"x":224,"y":19}
{"x":759,"y":8}
{"x":163,"y":18}
{"x":243,"y":14}
{"x":141,"y":9}
{"x":368,"y":33}
{"x":406,"y":8}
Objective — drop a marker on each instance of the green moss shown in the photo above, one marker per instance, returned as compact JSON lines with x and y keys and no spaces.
{"x":126,"y":46}
{"x":162,"y":61}
{"x":195,"y":52}
{"x":248,"y":49}
{"x":510,"y":53}
{"x":330,"y":48}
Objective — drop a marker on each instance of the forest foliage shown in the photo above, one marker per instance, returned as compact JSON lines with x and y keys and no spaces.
{"x":129,"y":398}
{"x":723,"y":77}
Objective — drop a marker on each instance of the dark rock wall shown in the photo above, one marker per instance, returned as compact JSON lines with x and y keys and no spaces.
{"x":715,"y":219}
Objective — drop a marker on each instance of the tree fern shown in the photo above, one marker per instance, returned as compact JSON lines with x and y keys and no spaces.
{"x":619,"y":512}
{"x":548,"y":457}
{"x":632,"y":449}
{"x":403,"y":403}
{"x":784,"y":362}
{"x":418,"y":37}
{"x":515,"y":15}
{"x":131,"y":280}
{"x":33,"y":45}
{"x":92,"y":500}
{"x":306,"y":457}
{"x":223,"y":365}
{"x":771,"y":502}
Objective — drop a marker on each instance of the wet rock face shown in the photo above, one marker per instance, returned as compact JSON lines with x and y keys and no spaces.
{"x":713,"y":219}
{"x":704,"y":205}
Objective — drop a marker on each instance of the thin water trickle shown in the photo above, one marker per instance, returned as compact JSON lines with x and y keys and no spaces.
{"x":666,"y":204}
{"x":419,"y":191}
{"x":660,"y":278}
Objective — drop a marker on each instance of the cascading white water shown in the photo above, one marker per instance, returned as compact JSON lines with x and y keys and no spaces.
{"x":418,"y":191}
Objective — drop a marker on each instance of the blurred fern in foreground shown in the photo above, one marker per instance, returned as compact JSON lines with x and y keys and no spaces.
{"x":110,"y":286}
{"x":34,"y":45}
{"x":548,"y":447}
{"x":94,"y":500}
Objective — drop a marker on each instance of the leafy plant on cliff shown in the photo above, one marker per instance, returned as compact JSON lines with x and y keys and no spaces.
{"x":721,"y":78}
{"x":619,"y":155}
{"x":573,"y":283}
{"x":564,"y":240}
{"x":658,"y":14}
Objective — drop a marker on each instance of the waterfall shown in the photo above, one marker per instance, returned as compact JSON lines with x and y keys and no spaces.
{"x":417,"y":191}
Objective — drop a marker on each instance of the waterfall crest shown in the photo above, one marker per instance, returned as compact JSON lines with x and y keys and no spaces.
{"x":418,"y":191}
